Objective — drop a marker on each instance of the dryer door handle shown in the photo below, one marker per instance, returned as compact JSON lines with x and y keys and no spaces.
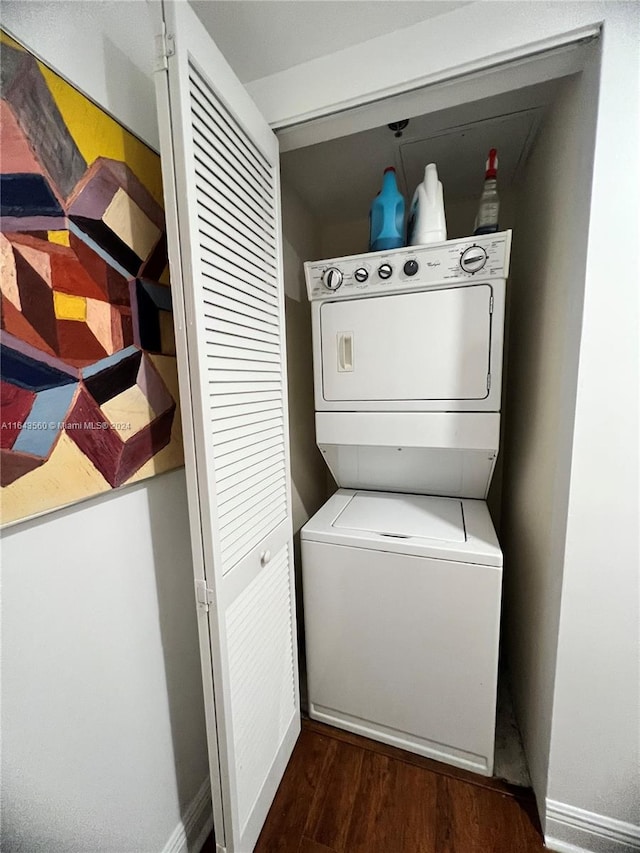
{"x":345,"y":352}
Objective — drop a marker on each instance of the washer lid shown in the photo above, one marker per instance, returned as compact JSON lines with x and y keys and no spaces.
{"x":420,"y":525}
{"x":404,"y":516}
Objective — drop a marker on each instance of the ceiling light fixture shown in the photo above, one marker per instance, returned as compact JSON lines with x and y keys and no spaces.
{"x":398,"y":126}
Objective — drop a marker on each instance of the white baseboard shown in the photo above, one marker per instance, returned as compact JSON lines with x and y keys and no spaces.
{"x":561,"y":846}
{"x":195,"y":826}
{"x":572,"y":830}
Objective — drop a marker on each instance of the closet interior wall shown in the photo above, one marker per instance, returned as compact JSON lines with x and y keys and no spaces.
{"x":545,"y":206}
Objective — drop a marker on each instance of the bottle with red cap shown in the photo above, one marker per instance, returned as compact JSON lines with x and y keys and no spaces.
{"x":487,"y":218}
{"x":386,"y":217}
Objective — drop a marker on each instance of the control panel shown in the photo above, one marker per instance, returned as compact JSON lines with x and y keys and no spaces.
{"x":456,"y":262}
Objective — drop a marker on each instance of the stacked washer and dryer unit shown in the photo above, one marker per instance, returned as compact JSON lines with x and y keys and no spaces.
{"x":402,"y":570}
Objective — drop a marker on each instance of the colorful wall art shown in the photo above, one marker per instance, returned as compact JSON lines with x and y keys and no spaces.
{"x":88,"y":372}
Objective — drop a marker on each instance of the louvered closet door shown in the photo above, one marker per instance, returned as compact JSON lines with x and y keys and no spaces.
{"x":220,"y":167}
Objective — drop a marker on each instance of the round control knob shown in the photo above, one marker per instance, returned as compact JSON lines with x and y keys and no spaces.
{"x":473,"y":259}
{"x":332,"y":278}
{"x":385,"y":270}
{"x":411,"y":267}
{"x":361,"y":274}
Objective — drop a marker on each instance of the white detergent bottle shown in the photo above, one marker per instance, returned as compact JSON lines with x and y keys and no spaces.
{"x":427,"y":223}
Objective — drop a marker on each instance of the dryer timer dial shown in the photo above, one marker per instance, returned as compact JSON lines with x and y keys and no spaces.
{"x":473,"y":259}
{"x":332,"y":278}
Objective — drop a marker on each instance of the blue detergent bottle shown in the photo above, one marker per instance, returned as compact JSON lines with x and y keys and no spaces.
{"x":386,"y":217}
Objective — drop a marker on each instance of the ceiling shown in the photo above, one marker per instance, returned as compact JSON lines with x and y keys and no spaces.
{"x":338,"y":179}
{"x":262,"y":37}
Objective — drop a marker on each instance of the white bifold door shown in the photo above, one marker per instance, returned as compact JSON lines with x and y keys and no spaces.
{"x":221,"y":184}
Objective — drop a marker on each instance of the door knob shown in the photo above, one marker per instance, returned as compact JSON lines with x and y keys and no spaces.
{"x":265,"y":557}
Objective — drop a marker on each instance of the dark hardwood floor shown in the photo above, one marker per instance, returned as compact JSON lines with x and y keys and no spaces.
{"x":346,"y":794}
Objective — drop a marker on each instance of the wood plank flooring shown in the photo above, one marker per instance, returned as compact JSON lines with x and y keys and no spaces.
{"x":345,"y":794}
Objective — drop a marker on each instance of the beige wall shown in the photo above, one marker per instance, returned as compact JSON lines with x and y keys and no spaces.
{"x":308,"y":471}
{"x":301,"y":241}
{"x":595,"y":739}
{"x":339,"y":239}
{"x":546,"y":293}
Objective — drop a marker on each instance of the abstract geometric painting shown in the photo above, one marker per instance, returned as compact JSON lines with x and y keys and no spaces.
{"x":88,"y":377}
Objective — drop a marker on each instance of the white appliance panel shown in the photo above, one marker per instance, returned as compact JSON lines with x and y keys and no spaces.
{"x":480,"y":545}
{"x":434,"y":453}
{"x":343,"y":364}
{"x":404,"y":649}
{"x":427,"y":471}
{"x":430,"y":345}
{"x":404,"y":516}
{"x":460,"y":262}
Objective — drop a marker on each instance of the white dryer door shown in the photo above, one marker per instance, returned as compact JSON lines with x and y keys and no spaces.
{"x":431,"y":345}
